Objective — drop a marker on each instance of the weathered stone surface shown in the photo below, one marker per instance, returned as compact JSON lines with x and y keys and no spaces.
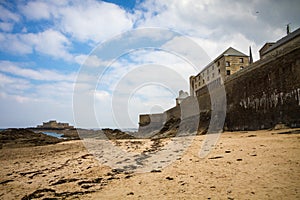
{"x":264,"y":94}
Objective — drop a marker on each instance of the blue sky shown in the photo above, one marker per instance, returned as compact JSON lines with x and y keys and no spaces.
{"x":45,"y":45}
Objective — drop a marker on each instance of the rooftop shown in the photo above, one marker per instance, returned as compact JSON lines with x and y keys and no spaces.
{"x":231,"y":52}
{"x":285,"y":39}
{"x":228,"y":52}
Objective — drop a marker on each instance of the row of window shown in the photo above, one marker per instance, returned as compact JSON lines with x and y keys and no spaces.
{"x":228,"y":72}
{"x":207,"y":77}
{"x":227,"y":63}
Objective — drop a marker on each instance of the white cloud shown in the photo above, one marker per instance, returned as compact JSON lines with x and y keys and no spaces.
{"x":92,"y":20}
{"x":13,"y":85}
{"x":90,"y":61}
{"x":188,"y":49}
{"x":6,"y":26}
{"x":219,"y":23}
{"x":35,"y":74}
{"x":20,"y":83}
{"x":36,"y":10}
{"x":49,"y":42}
{"x":7,"y":15}
{"x":102,"y":95}
{"x":14,"y":44}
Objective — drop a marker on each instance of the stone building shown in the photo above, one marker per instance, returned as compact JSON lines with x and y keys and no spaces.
{"x":56,"y":125}
{"x":216,"y":72}
{"x":273,"y":49}
{"x":182,"y":95}
{"x":264,"y":94}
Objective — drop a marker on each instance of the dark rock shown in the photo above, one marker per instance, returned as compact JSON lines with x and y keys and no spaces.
{"x":251,"y":136}
{"x":62,"y":181}
{"x":86,"y":186}
{"x":6,"y":181}
{"x":127,"y":177}
{"x":216,"y":157}
{"x":169,"y":178}
{"x":114,"y":134}
{"x":155,"y":171}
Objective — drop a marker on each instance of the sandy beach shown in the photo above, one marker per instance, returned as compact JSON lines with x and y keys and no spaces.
{"x":243,"y":165}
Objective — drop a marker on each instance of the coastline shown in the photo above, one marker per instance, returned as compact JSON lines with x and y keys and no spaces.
{"x":261,"y":164}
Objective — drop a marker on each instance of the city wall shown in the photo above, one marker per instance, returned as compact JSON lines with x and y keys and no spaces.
{"x":258,"y":97}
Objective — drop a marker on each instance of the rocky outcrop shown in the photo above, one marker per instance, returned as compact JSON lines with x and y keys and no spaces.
{"x":24,"y":138}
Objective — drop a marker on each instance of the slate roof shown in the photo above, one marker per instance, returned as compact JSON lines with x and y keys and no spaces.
{"x":284,"y":40}
{"x":231,"y":52}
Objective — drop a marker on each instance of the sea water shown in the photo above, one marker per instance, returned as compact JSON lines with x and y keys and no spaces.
{"x":53,"y":134}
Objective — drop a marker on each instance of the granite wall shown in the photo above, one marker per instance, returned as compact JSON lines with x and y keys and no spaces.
{"x":258,"y":97}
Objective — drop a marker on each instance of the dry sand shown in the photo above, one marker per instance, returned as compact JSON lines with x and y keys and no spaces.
{"x":243,"y":165}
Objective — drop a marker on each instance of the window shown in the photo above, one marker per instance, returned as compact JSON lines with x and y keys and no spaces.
{"x":241,"y":67}
{"x":241,"y":60}
{"x":219,"y":71}
{"x":213,"y":75}
{"x":227,"y":64}
{"x":208,"y":78}
{"x":213,"y":67}
{"x":228,"y":72}
{"x":203,"y":81}
{"x":207,"y":71}
{"x":218,"y":63}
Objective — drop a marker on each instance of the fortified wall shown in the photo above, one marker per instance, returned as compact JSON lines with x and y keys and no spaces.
{"x":265,"y":94}
{"x":260,"y":96}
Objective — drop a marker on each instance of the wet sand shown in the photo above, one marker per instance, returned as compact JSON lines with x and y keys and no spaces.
{"x":243,"y":165}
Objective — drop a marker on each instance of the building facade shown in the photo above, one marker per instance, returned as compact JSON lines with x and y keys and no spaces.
{"x":216,"y":72}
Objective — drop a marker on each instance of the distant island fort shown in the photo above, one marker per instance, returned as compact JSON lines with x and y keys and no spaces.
{"x":53,"y":124}
{"x":259,"y":95}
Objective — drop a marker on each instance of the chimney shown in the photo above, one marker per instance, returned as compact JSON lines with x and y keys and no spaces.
{"x":288,"y":31}
{"x":250,"y":56}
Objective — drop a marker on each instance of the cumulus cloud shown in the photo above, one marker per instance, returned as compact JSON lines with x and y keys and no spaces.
{"x":6,"y":26}
{"x":93,"y":20}
{"x":92,"y":61}
{"x":7,"y":15}
{"x":223,"y":22}
{"x":36,"y":10}
{"x":48,"y":42}
{"x":34,"y":74}
{"x":19,"y":83}
{"x":14,"y":85}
